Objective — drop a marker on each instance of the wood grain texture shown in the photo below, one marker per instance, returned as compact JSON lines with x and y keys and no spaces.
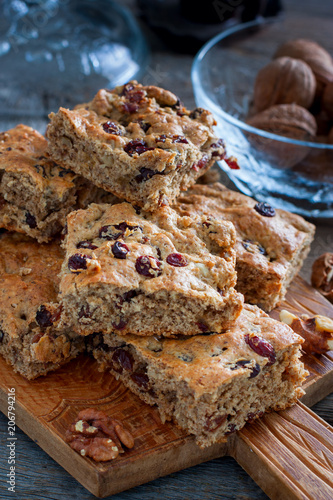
{"x":47,"y":406}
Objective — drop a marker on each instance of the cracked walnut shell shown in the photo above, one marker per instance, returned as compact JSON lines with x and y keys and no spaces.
{"x":288,"y":120}
{"x":284,"y":81}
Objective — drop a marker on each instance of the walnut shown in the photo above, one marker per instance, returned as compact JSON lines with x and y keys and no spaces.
{"x":313,"y":54}
{"x":317,"y":331}
{"x":284,"y":81}
{"x":322,"y":275}
{"x":288,"y":120}
{"x":94,"y":434}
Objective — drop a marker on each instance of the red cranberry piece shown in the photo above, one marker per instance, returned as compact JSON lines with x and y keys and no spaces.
{"x":261,"y":347}
{"x":127,"y":88}
{"x":123,"y":359}
{"x":201,"y":163}
{"x":119,"y":250}
{"x":252,"y":416}
{"x":111,"y":127}
{"x":179,"y":139}
{"x":202,"y":327}
{"x":43,"y":317}
{"x":213,"y":423}
{"x":177,"y":260}
{"x":137,"y":146}
{"x":147,"y":265}
{"x":128,"y":296}
{"x":108,"y":233}
{"x":265,"y":209}
{"x":120,"y":325}
{"x":77,"y":262}
{"x":232,"y":163}
{"x":161,"y":138}
{"x":145,"y":174}
{"x":144,"y":125}
{"x":30,"y":220}
{"x":141,"y":379}
{"x":86,"y":244}
{"x":123,"y":226}
{"x":56,"y":314}
{"x":130,"y":107}
{"x":84,"y":312}
{"x":218,"y":144}
{"x":255,"y":371}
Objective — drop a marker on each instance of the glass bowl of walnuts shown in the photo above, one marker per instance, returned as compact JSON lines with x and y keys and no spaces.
{"x":269,"y":84}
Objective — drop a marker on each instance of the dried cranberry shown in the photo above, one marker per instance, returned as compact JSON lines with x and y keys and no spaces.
{"x":128,"y":296}
{"x":240,"y":364}
{"x":196,"y":113}
{"x":161,"y":138}
{"x":231,"y":429}
{"x":30,"y":220}
{"x":213,"y":423}
{"x":111,"y":127}
{"x":135,"y":96}
{"x":177,"y":260}
{"x":137,"y":146}
{"x":145,"y":174}
{"x":201,"y":163}
{"x":108,"y":233}
{"x":179,"y":139}
{"x":202,"y":326}
{"x":127,"y":88}
{"x":120,"y":250}
{"x":120,"y":325}
{"x":77,"y":262}
{"x":123,"y":226}
{"x":141,"y":379}
{"x":86,"y":244}
{"x":130,"y":107}
{"x":144,"y":125}
{"x":252,"y":416}
{"x":255,"y":371}
{"x":56,"y":314}
{"x":8,"y":149}
{"x":43,"y":317}
{"x":147,"y":265}
{"x":261,"y":347}
{"x":218,"y":144}
{"x":253,"y":247}
{"x":84,"y":312}
{"x":265,"y":209}
{"x":232,"y":163}
{"x":123,"y":358}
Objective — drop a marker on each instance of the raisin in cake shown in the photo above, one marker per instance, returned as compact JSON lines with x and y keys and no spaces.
{"x":36,"y":193}
{"x":271,"y":244}
{"x":138,"y":142}
{"x":210,"y":385}
{"x":29,"y":313}
{"x":147,"y":273}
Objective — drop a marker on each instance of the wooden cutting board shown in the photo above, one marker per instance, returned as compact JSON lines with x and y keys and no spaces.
{"x":289,"y":454}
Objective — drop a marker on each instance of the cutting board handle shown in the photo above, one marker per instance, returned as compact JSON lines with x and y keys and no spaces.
{"x":288,"y":454}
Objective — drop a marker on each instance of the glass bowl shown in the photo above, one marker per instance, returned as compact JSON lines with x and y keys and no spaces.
{"x":290,"y":174}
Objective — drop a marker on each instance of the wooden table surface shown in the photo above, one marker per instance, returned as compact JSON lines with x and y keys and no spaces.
{"x":41,"y":478}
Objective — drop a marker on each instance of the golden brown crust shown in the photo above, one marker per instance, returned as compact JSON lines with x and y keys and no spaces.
{"x":269,"y":250}
{"x":138,"y":142}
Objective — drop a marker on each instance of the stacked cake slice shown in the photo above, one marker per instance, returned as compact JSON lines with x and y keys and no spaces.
{"x":149,"y":289}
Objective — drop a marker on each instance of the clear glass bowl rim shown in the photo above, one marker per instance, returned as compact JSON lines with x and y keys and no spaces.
{"x":196,"y":82}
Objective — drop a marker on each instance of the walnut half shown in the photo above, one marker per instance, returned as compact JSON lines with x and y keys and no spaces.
{"x":317,"y":331}
{"x":96,"y":435}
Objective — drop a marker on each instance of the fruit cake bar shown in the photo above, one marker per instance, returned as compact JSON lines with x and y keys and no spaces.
{"x":36,"y":194}
{"x":138,"y":142}
{"x":271,"y":244}
{"x":147,"y":273}
{"x":29,"y":314}
{"x":210,"y":385}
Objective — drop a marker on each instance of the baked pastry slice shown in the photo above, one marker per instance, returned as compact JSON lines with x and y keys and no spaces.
{"x":29,"y":313}
{"x":210,"y":385}
{"x":36,"y":194}
{"x":271,"y":244}
{"x":138,"y":142}
{"x":147,"y":273}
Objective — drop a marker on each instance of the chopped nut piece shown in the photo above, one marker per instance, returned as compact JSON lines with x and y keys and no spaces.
{"x":322,"y":275}
{"x":96,"y":435}
{"x":317,"y":331}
